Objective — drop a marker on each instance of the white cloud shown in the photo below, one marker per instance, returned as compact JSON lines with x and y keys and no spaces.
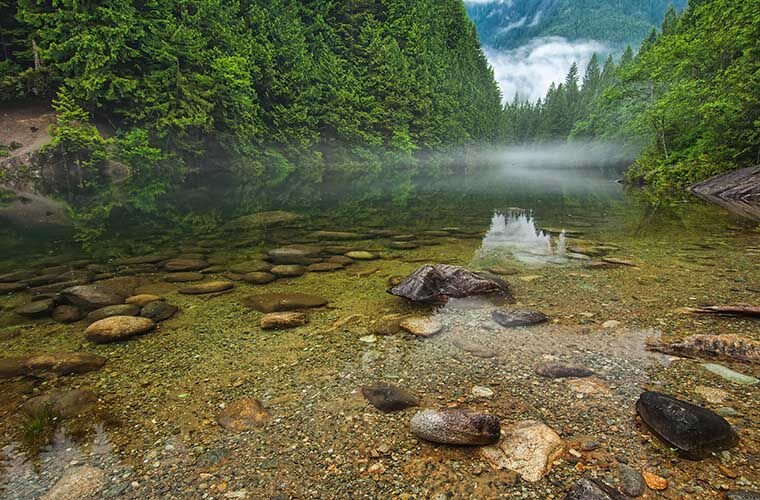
{"x":530,"y":70}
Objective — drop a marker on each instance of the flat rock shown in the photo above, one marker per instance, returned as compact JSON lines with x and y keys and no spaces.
{"x":277,"y":302}
{"x":528,"y":447}
{"x":295,"y":254}
{"x":205,"y":288}
{"x":288,"y":270}
{"x":361,"y":255}
{"x":389,"y":324}
{"x":12,"y":287}
{"x":592,"y":489}
{"x":90,"y":297}
{"x":283,"y":320}
{"x":37,"y":309}
{"x":631,"y":481}
{"x":721,"y":347}
{"x":118,"y":328}
{"x":77,"y":483}
{"x":340,"y":259}
{"x":178,"y":265}
{"x":184,"y":277}
{"x":730,"y":375}
{"x":61,"y":403}
{"x":60,"y":363}
{"x":251,"y":266}
{"x":742,"y":495}
{"x":117,"y":310}
{"x":438,"y":283}
{"x":16,"y":276}
{"x":336,"y":235}
{"x":243,"y":415}
{"x":142,"y":300}
{"x":589,"y":386}
{"x":694,"y":430}
{"x":403,"y":245}
{"x":474,"y":348}
{"x":324,"y":267}
{"x":562,"y":370}
{"x":455,"y":426}
{"x":518,"y":317}
{"x":421,"y":326}
{"x":259,"y":278}
{"x":158,"y":310}
{"x":389,"y":398}
{"x":67,"y":314}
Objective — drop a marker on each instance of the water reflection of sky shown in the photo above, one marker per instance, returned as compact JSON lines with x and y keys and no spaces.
{"x":514,"y":236}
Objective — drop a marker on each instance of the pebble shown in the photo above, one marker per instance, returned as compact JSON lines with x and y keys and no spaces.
{"x":456,"y":426}
{"x":389,"y":398}
{"x":631,"y":481}
{"x":518,"y":317}
{"x":283,"y":320}
{"x":243,"y":415}
{"x":421,"y":326}
{"x":528,"y":447}
{"x":480,"y":391}
{"x":655,"y":482}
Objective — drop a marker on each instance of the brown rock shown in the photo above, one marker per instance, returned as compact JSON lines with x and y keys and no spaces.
{"x":421,"y":326}
{"x":61,"y":403}
{"x":118,"y":328}
{"x":528,"y":447}
{"x":183,"y":277}
{"x":67,"y":314}
{"x":283,"y":320}
{"x":288,"y":270}
{"x":654,"y":481}
{"x":243,"y":415}
{"x":117,"y":310}
{"x":259,"y":278}
{"x":142,"y":299}
{"x":210,"y":287}
{"x":77,"y":483}
{"x":176,"y":265}
{"x":277,"y":302}
{"x":61,"y":363}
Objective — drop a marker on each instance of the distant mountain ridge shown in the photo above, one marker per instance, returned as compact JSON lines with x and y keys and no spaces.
{"x":508,"y":24}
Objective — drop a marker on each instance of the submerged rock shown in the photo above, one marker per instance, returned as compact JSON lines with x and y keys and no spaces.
{"x":561,"y":370}
{"x":694,"y":430}
{"x":118,"y":328}
{"x":158,"y":310}
{"x":16,"y":276}
{"x":518,"y":317}
{"x":117,"y":310}
{"x":184,"y":277}
{"x":210,"y":287}
{"x":288,"y":270}
{"x":295,"y":254}
{"x":67,"y":314}
{"x":12,"y":287}
{"x":592,"y":489}
{"x":283,"y":320}
{"x":388,"y":398}
{"x":528,"y":447}
{"x":474,"y":348}
{"x":142,"y":300}
{"x":438,"y":283}
{"x":61,"y":403}
{"x":60,"y":363}
{"x":421,"y":326}
{"x":178,"y":265}
{"x":276,"y":302}
{"x":263,"y":219}
{"x":361,"y":255}
{"x":324,"y":267}
{"x":455,"y":426}
{"x":252,"y":266}
{"x":731,"y":375}
{"x":722,"y":347}
{"x":77,"y":483}
{"x":37,"y":309}
{"x":243,"y":415}
{"x":259,"y":278}
{"x":91,"y":296}
{"x":631,"y":481}
{"x":336,"y":235}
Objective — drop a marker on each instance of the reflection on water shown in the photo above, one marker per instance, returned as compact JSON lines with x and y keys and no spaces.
{"x":514,"y":235}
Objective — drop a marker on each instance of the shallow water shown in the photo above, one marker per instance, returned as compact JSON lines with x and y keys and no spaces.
{"x":154,"y":430}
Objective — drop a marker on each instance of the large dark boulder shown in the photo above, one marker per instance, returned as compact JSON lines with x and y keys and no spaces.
{"x":694,"y":430}
{"x":438,"y":283}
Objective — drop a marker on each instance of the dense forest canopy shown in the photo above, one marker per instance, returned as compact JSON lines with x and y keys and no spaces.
{"x":688,"y":99}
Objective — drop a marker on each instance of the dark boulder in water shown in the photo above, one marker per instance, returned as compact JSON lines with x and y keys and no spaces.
{"x":439,"y":283}
{"x":518,"y":317}
{"x":592,"y":489}
{"x":92,"y":296}
{"x":454,"y":426}
{"x":694,"y":430}
{"x":388,"y":398}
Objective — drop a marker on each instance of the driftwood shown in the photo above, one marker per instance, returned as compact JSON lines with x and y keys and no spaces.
{"x":737,"y":191}
{"x":749,"y":311}
{"x":720,"y":347}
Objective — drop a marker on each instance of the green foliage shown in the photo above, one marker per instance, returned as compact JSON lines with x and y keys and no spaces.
{"x":37,"y":430}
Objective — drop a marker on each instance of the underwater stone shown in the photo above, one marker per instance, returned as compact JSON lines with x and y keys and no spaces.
{"x":455,"y":426}
{"x":438,"y":283}
{"x":276,"y":302}
{"x":283,"y":320}
{"x":361,"y":255}
{"x":730,"y":375}
{"x":295,"y":254}
{"x":183,"y":277}
{"x":592,"y":489}
{"x":142,"y":300}
{"x":67,"y":314}
{"x":158,"y":310}
{"x":723,"y":347}
{"x":176,"y":265}
{"x":77,"y":483}
{"x":259,"y":278}
{"x":324,"y":267}
{"x":560,"y":370}
{"x":253,"y":266}
{"x":389,"y":398}
{"x":91,"y":296}
{"x":694,"y":430}
{"x":62,"y":403}
{"x":528,"y":447}
{"x":288,"y":271}
{"x":118,"y":328}
{"x":210,"y":287}
{"x":36,"y":309}
{"x":421,"y":326}
{"x":243,"y":415}
{"x":61,"y":363}
{"x":518,"y":317}
{"x":336,"y":235}
{"x":12,"y":287}
{"x":16,"y":276}
{"x":117,"y":310}
{"x":631,"y":481}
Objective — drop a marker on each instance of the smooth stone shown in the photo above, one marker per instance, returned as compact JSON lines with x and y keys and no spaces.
{"x":361,"y":255}
{"x":324,"y":267}
{"x":528,"y":447}
{"x":389,"y":398}
{"x":37,"y":309}
{"x":337,"y":251}
{"x":45,"y":279}
{"x":183,"y":277}
{"x":217,"y":269}
{"x":60,"y":363}
{"x":92,"y":296}
{"x":402,"y":245}
{"x":55,"y":287}
{"x":283,"y":320}
{"x":178,"y":265}
{"x":117,"y":310}
{"x":204,"y":288}
{"x":77,"y":483}
{"x":456,"y":426}
{"x":254,"y":266}
{"x":588,"y":386}
{"x":518,"y":317}
{"x":471,"y":347}
{"x":154,"y":289}
{"x":654,"y":482}
{"x":438,"y":283}
{"x":142,"y":300}
{"x":611,"y":324}
{"x":191,"y":256}
{"x":421,"y":326}
{"x":694,"y":430}
{"x":67,"y":314}
{"x":592,"y":489}
{"x":288,"y":271}
{"x":12,"y":287}
{"x":480,"y":391}
{"x":561,"y":370}
{"x":61,"y":403}
{"x":336,"y":235}
{"x":259,"y":278}
{"x":243,"y":415}
{"x":730,"y":375}
{"x":295,"y":254}
{"x":278,"y":302}
{"x":340,"y":259}
{"x":118,"y":328}
{"x":16,"y":276}
{"x":631,"y":481}
{"x":388,"y":325}
{"x":158,"y":310}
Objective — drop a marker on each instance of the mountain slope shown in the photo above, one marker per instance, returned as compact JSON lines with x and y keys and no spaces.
{"x":508,"y":24}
